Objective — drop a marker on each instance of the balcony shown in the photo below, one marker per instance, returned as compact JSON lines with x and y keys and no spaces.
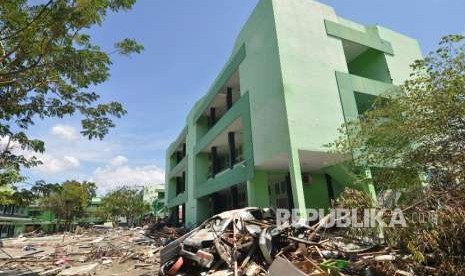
{"x":177,"y":151}
{"x":366,"y":62}
{"x":221,"y":103}
{"x":177,"y":200}
{"x":176,"y":190}
{"x":178,"y":168}
{"x":223,"y":156}
{"x":364,"y":50}
{"x":357,"y":93}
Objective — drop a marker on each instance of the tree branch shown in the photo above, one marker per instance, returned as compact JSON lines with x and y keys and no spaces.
{"x":42,"y":11}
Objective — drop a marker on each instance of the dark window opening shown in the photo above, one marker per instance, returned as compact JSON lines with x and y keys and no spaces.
{"x":181,"y":183}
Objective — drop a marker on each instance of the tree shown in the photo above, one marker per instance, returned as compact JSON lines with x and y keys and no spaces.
{"x":69,"y":202}
{"x":49,"y":67}
{"x":7,"y":191}
{"x":43,"y":189}
{"x":23,"y":197}
{"x":124,"y":202}
{"x":418,"y":129}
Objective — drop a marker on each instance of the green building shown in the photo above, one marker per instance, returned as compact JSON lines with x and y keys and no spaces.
{"x":92,"y":213}
{"x":13,"y":221}
{"x":45,"y":219}
{"x":42,"y":219}
{"x":154,"y":195}
{"x":257,"y":138}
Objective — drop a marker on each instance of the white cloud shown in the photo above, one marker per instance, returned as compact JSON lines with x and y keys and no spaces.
{"x":119,"y":161}
{"x":66,"y":132}
{"x":66,"y":141}
{"x":12,"y":145}
{"x":52,"y":164}
{"x":118,"y":173}
{"x":69,"y":155}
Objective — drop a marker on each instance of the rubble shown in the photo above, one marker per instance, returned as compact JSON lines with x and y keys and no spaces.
{"x":99,"y":251}
{"x":248,"y":242}
{"x":163,"y":234}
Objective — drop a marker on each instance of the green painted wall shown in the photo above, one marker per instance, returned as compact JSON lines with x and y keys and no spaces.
{"x":371,"y":64}
{"x":316,"y":193}
{"x":260,"y":75}
{"x":406,"y":51}
{"x":257,"y":190}
{"x":309,"y":58}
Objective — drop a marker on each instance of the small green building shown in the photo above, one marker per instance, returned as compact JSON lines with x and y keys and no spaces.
{"x":15,"y":220}
{"x":154,"y":195}
{"x":296,"y":73}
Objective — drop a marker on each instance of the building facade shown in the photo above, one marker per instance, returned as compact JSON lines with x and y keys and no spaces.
{"x":42,"y":219}
{"x":13,"y":220}
{"x":154,"y":195}
{"x":257,"y":138}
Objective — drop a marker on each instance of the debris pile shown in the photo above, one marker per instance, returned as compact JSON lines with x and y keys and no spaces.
{"x":162,"y":233}
{"x":248,"y":242}
{"x":98,"y":251}
{"x":438,"y":244}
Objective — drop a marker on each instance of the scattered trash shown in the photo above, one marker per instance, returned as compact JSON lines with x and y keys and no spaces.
{"x":94,"y":251}
{"x":28,"y":248}
{"x":244,"y":242}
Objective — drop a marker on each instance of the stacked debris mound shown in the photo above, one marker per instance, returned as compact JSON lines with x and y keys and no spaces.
{"x":248,"y":242}
{"x":163,"y":233}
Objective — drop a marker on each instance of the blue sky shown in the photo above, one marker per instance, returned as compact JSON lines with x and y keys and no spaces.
{"x":186,"y":44}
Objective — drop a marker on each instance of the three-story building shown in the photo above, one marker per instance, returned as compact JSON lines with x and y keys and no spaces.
{"x":257,"y":138}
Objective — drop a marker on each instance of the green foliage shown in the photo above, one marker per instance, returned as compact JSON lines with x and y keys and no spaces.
{"x":10,"y":194}
{"x":69,"y":201}
{"x":128,"y":46}
{"x":124,"y":202}
{"x":354,"y":199}
{"x":158,"y":206}
{"x":6,"y":196}
{"x":43,"y":189}
{"x":49,"y":68}
{"x":9,"y":175}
